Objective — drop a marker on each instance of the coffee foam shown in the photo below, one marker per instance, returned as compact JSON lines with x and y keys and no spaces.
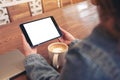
{"x":58,"y":48}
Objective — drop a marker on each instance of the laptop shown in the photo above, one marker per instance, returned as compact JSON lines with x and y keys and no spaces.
{"x":11,"y":64}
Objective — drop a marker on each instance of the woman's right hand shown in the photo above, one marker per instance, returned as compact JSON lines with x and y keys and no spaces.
{"x":27,"y":50}
{"x":66,"y":37}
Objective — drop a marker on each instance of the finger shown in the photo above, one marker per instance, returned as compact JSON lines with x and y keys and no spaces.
{"x":60,"y":39}
{"x":63,"y":30}
{"x":25,"y":43}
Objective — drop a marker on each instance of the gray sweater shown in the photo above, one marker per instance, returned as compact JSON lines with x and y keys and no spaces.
{"x":94,"y":58}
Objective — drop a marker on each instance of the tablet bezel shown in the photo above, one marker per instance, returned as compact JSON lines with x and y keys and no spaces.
{"x":27,"y":36}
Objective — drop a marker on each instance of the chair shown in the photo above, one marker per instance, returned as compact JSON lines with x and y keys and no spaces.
{"x":77,"y":1}
{"x":49,"y":5}
{"x":65,"y":2}
{"x":18,"y":11}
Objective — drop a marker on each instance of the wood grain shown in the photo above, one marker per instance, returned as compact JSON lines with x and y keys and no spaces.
{"x":19,"y":11}
{"x":65,"y":2}
{"x":49,"y":5}
{"x":77,"y":1}
{"x":78,"y":22}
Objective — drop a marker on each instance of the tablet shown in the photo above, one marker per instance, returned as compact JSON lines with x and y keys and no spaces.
{"x":40,"y":31}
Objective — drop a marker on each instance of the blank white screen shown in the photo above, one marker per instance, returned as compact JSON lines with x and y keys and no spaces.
{"x":41,"y":31}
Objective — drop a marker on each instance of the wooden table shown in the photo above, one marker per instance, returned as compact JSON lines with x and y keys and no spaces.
{"x":79,"y":19}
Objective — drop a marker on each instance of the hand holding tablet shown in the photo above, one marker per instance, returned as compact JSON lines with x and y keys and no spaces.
{"x":40,"y":31}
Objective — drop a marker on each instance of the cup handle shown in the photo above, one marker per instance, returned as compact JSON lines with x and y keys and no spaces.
{"x":55,"y":61}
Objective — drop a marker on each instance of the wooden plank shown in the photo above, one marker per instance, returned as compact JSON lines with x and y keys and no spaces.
{"x":65,"y":2}
{"x":49,"y":5}
{"x":19,"y":11}
{"x":77,"y":1}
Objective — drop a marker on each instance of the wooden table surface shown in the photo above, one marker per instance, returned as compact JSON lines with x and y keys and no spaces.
{"x":79,"y":19}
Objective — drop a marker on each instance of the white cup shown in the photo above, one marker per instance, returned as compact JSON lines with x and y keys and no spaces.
{"x":57,"y":52}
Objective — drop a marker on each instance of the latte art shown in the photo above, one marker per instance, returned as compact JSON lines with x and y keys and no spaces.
{"x":57,"y":50}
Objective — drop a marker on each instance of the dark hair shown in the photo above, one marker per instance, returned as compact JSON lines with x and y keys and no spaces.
{"x":110,"y":7}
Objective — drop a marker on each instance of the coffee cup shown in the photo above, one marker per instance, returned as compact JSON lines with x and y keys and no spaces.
{"x":57,"y":52}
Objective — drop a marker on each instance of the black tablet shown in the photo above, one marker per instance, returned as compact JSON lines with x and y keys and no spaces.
{"x":40,"y":31}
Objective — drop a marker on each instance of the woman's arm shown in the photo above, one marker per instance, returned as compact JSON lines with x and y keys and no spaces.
{"x":36,"y":66}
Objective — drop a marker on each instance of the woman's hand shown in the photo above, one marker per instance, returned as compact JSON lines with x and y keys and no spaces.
{"x":66,"y":37}
{"x":27,"y":50}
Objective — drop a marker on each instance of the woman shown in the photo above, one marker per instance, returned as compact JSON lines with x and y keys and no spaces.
{"x":94,"y":58}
